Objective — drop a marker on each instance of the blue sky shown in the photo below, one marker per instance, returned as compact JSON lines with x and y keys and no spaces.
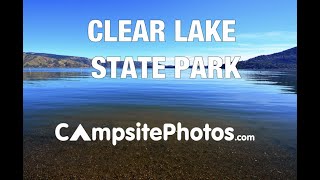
{"x":60,"y":26}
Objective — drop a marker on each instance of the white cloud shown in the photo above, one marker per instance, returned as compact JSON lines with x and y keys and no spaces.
{"x":273,"y":35}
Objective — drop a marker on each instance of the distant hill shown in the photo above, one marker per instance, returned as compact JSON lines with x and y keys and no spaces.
{"x":282,"y":60}
{"x":53,"y":60}
{"x":45,"y":60}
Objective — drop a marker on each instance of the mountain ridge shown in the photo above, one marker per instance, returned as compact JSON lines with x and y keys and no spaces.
{"x":47,"y":60}
{"x":286,"y":59}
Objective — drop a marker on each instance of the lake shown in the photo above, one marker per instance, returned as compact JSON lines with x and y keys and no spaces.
{"x":263,"y":103}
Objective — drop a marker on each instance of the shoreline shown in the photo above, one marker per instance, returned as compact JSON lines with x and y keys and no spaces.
{"x":44,"y":156}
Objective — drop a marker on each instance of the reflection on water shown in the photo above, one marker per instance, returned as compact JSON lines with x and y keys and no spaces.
{"x":34,"y":76}
{"x":266,"y":95}
{"x":287,"y":79}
